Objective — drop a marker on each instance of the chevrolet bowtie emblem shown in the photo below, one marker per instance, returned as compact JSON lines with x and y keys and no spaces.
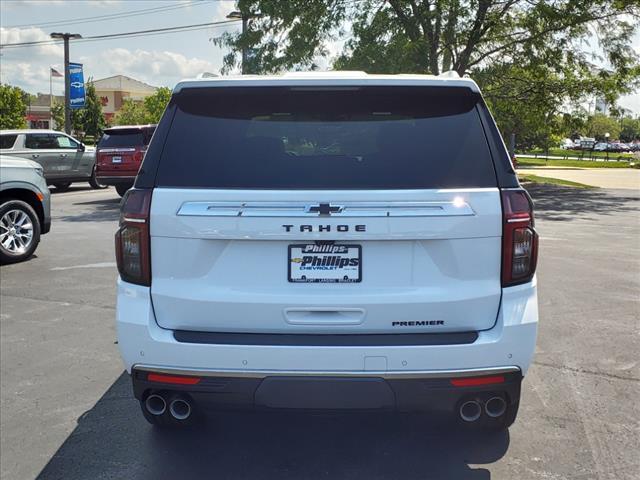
{"x":323,"y":209}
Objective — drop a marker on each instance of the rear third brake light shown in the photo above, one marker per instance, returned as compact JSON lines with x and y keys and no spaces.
{"x":519,"y":238}
{"x":133,"y":252}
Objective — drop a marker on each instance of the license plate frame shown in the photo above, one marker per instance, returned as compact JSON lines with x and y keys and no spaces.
{"x":295,"y":260}
{"x":116,"y":159}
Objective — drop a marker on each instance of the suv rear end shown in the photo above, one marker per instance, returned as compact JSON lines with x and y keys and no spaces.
{"x":119,"y":154}
{"x":338,"y":241}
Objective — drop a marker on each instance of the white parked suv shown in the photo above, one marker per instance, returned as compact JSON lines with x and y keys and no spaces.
{"x":327,"y":241}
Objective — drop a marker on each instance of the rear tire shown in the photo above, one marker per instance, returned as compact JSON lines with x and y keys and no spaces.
{"x":122,"y":189}
{"x":17,"y":217}
{"x":62,"y":186}
{"x":93,"y":181}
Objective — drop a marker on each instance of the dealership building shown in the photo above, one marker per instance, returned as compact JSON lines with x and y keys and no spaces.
{"x":111,"y":91}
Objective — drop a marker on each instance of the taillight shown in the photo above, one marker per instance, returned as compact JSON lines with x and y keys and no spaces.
{"x":519,"y":238}
{"x":133,"y":246}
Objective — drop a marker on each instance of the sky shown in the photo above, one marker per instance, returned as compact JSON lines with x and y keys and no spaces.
{"x":160,"y":60}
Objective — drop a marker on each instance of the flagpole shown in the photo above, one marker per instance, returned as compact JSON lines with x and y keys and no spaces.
{"x":50,"y":98}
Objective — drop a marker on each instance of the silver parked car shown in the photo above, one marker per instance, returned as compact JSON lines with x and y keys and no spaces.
{"x":64,"y":159}
{"x":24,"y":208}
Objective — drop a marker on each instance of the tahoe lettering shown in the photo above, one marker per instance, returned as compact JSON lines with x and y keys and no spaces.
{"x":325,"y":228}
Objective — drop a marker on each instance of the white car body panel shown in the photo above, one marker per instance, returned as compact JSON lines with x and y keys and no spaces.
{"x":229,"y":273}
{"x":511,"y":342}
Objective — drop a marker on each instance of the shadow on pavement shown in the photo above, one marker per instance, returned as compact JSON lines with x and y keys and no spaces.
{"x":75,"y":187}
{"x":106,"y":210}
{"x":112,"y":440}
{"x":566,"y":203}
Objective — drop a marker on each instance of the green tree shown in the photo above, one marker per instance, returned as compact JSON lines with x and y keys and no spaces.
{"x":431,"y":36}
{"x":600,"y":124}
{"x":630,"y":129}
{"x":538,"y":54}
{"x":156,"y":103}
{"x":13,"y":107}
{"x":131,"y":113}
{"x":90,"y":118}
{"x":57,"y":112}
{"x":142,"y":112}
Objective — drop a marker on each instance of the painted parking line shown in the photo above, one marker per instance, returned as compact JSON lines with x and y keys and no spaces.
{"x":87,"y":265}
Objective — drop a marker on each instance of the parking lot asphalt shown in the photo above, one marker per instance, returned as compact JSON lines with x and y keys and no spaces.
{"x":68,"y":412}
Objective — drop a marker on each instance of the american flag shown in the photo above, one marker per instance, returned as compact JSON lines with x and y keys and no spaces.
{"x":55,"y":73}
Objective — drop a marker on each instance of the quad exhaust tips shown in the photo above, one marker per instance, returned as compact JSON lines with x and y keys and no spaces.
{"x":495,"y":407}
{"x":155,"y":404}
{"x":470,"y":411}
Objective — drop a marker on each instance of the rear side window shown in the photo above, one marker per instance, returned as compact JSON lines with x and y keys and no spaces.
{"x":7,"y":141}
{"x":126,"y":138}
{"x":41,"y":141}
{"x":345,"y":138}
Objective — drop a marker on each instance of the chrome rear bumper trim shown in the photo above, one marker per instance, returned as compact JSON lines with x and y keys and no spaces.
{"x":476,"y":372}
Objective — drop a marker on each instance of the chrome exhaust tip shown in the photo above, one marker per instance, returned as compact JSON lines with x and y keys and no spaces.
{"x":495,"y":407}
{"x":180,"y":409}
{"x":470,"y":411}
{"x":155,"y":404}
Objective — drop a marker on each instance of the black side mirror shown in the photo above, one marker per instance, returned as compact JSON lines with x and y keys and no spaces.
{"x":81,"y":147}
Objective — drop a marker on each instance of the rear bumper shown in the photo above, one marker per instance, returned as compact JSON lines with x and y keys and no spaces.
{"x":418,"y":392}
{"x":128,"y":179}
{"x":411,"y":375}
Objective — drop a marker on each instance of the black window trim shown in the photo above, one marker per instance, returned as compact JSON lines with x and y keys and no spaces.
{"x":325,"y":340}
{"x":506,"y":176}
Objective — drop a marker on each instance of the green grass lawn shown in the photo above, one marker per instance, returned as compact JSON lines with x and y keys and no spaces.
{"x":559,"y":152}
{"x":537,"y":162}
{"x":552,"y":181}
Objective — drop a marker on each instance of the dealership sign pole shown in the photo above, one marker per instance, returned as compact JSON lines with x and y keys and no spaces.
{"x":67,"y":80}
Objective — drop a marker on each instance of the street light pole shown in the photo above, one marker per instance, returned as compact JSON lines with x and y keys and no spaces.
{"x":237,"y":15}
{"x":244,"y":50}
{"x":67,"y":78}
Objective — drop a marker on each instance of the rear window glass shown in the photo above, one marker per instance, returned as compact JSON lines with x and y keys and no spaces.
{"x":7,"y":141}
{"x":345,"y":138}
{"x":125,"y":138}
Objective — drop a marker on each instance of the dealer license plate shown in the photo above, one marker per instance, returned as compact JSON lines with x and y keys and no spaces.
{"x":328,"y":263}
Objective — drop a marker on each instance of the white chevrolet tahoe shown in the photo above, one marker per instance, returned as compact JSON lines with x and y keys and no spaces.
{"x":327,"y":241}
